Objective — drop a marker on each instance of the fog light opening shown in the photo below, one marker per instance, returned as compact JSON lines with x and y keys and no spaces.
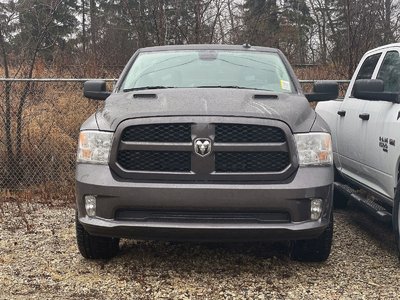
{"x":316,"y":209}
{"x":90,"y":205}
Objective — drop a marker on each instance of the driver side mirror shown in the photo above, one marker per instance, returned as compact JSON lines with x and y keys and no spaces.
{"x":96,"y":90}
{"x":324,"y":91}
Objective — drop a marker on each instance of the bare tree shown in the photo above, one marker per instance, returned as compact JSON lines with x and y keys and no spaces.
{"x":13,"y":105}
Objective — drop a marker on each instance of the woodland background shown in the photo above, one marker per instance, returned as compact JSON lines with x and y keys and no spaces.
{"x":40,"y":119}
{"x":93,"y":38}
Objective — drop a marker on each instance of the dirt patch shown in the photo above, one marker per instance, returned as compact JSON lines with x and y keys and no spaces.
{"x":39,"y":260}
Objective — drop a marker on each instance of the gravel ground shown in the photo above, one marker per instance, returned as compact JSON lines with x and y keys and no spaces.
{"x":39,"y":260}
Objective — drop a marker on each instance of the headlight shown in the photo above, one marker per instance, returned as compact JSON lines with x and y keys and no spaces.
{"x":315,"y":149}
{"x":94,"y":147}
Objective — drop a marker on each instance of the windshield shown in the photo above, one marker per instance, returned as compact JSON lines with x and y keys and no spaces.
{"x":208,"y":69}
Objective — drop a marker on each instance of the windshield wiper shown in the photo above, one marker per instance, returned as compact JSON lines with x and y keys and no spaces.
{"x":155,"y":87}
{"x":230,"y":87}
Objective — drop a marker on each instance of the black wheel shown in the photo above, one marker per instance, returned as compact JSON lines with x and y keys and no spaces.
{"x":315,"y":250}
{"x":95,"y":247}
{"x":396,"y":218}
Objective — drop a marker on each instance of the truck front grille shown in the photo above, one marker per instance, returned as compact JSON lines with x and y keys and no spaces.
{"x":155,"y":161}
{"x":244,"y":162}
{"x":244,"y":133}
{"x":168,"y":133}
{"x":259,"y":151}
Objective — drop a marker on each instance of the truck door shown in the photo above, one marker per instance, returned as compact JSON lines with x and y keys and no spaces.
{"x":351,"y":128}
{"x":383,"y":139}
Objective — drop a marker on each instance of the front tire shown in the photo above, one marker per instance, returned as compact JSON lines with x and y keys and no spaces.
{"x":314,"y":250}
{"x":95,"y":247}
{"x":396,"y":218}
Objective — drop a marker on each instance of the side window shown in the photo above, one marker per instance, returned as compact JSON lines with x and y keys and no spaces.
{"x":368,"y":67}
{"x":390,"y":72}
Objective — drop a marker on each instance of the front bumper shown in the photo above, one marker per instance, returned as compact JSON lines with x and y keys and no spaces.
{"x":293,"y":199}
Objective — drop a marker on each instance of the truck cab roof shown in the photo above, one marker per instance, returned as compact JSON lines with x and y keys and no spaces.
{"x":397,"y":45}
{"x":209,"y":47}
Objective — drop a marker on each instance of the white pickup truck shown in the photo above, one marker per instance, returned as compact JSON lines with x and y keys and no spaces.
{"x":365,"y":128}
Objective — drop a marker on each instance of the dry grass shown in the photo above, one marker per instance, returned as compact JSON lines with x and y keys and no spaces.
{"x":53,"y":113}
{"x":327,"y":72}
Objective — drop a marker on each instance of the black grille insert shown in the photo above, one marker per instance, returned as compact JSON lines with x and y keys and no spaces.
{"x":163,"y":133}
{"x":244,"y":133}
{"x":247,"y":162}
{"x":153,"y":161}
{"x":202,"y":217}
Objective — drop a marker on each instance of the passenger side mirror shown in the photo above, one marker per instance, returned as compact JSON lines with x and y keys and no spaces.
{"x":96,"y":90}
{"x":324,"y":91}
{"x":373,"y":90}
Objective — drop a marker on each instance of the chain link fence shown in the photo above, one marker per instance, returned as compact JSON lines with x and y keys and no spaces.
{"x":40,"y":120}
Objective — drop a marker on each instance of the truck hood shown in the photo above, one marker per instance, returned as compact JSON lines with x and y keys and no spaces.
{"x":294,"y":110}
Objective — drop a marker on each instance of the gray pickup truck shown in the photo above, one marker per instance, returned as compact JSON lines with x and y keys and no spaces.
{"x":205,"y":143}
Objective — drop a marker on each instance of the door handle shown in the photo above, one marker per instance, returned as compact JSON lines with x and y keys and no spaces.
{"x":341,"y":113}
{"x":364,"y":117}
